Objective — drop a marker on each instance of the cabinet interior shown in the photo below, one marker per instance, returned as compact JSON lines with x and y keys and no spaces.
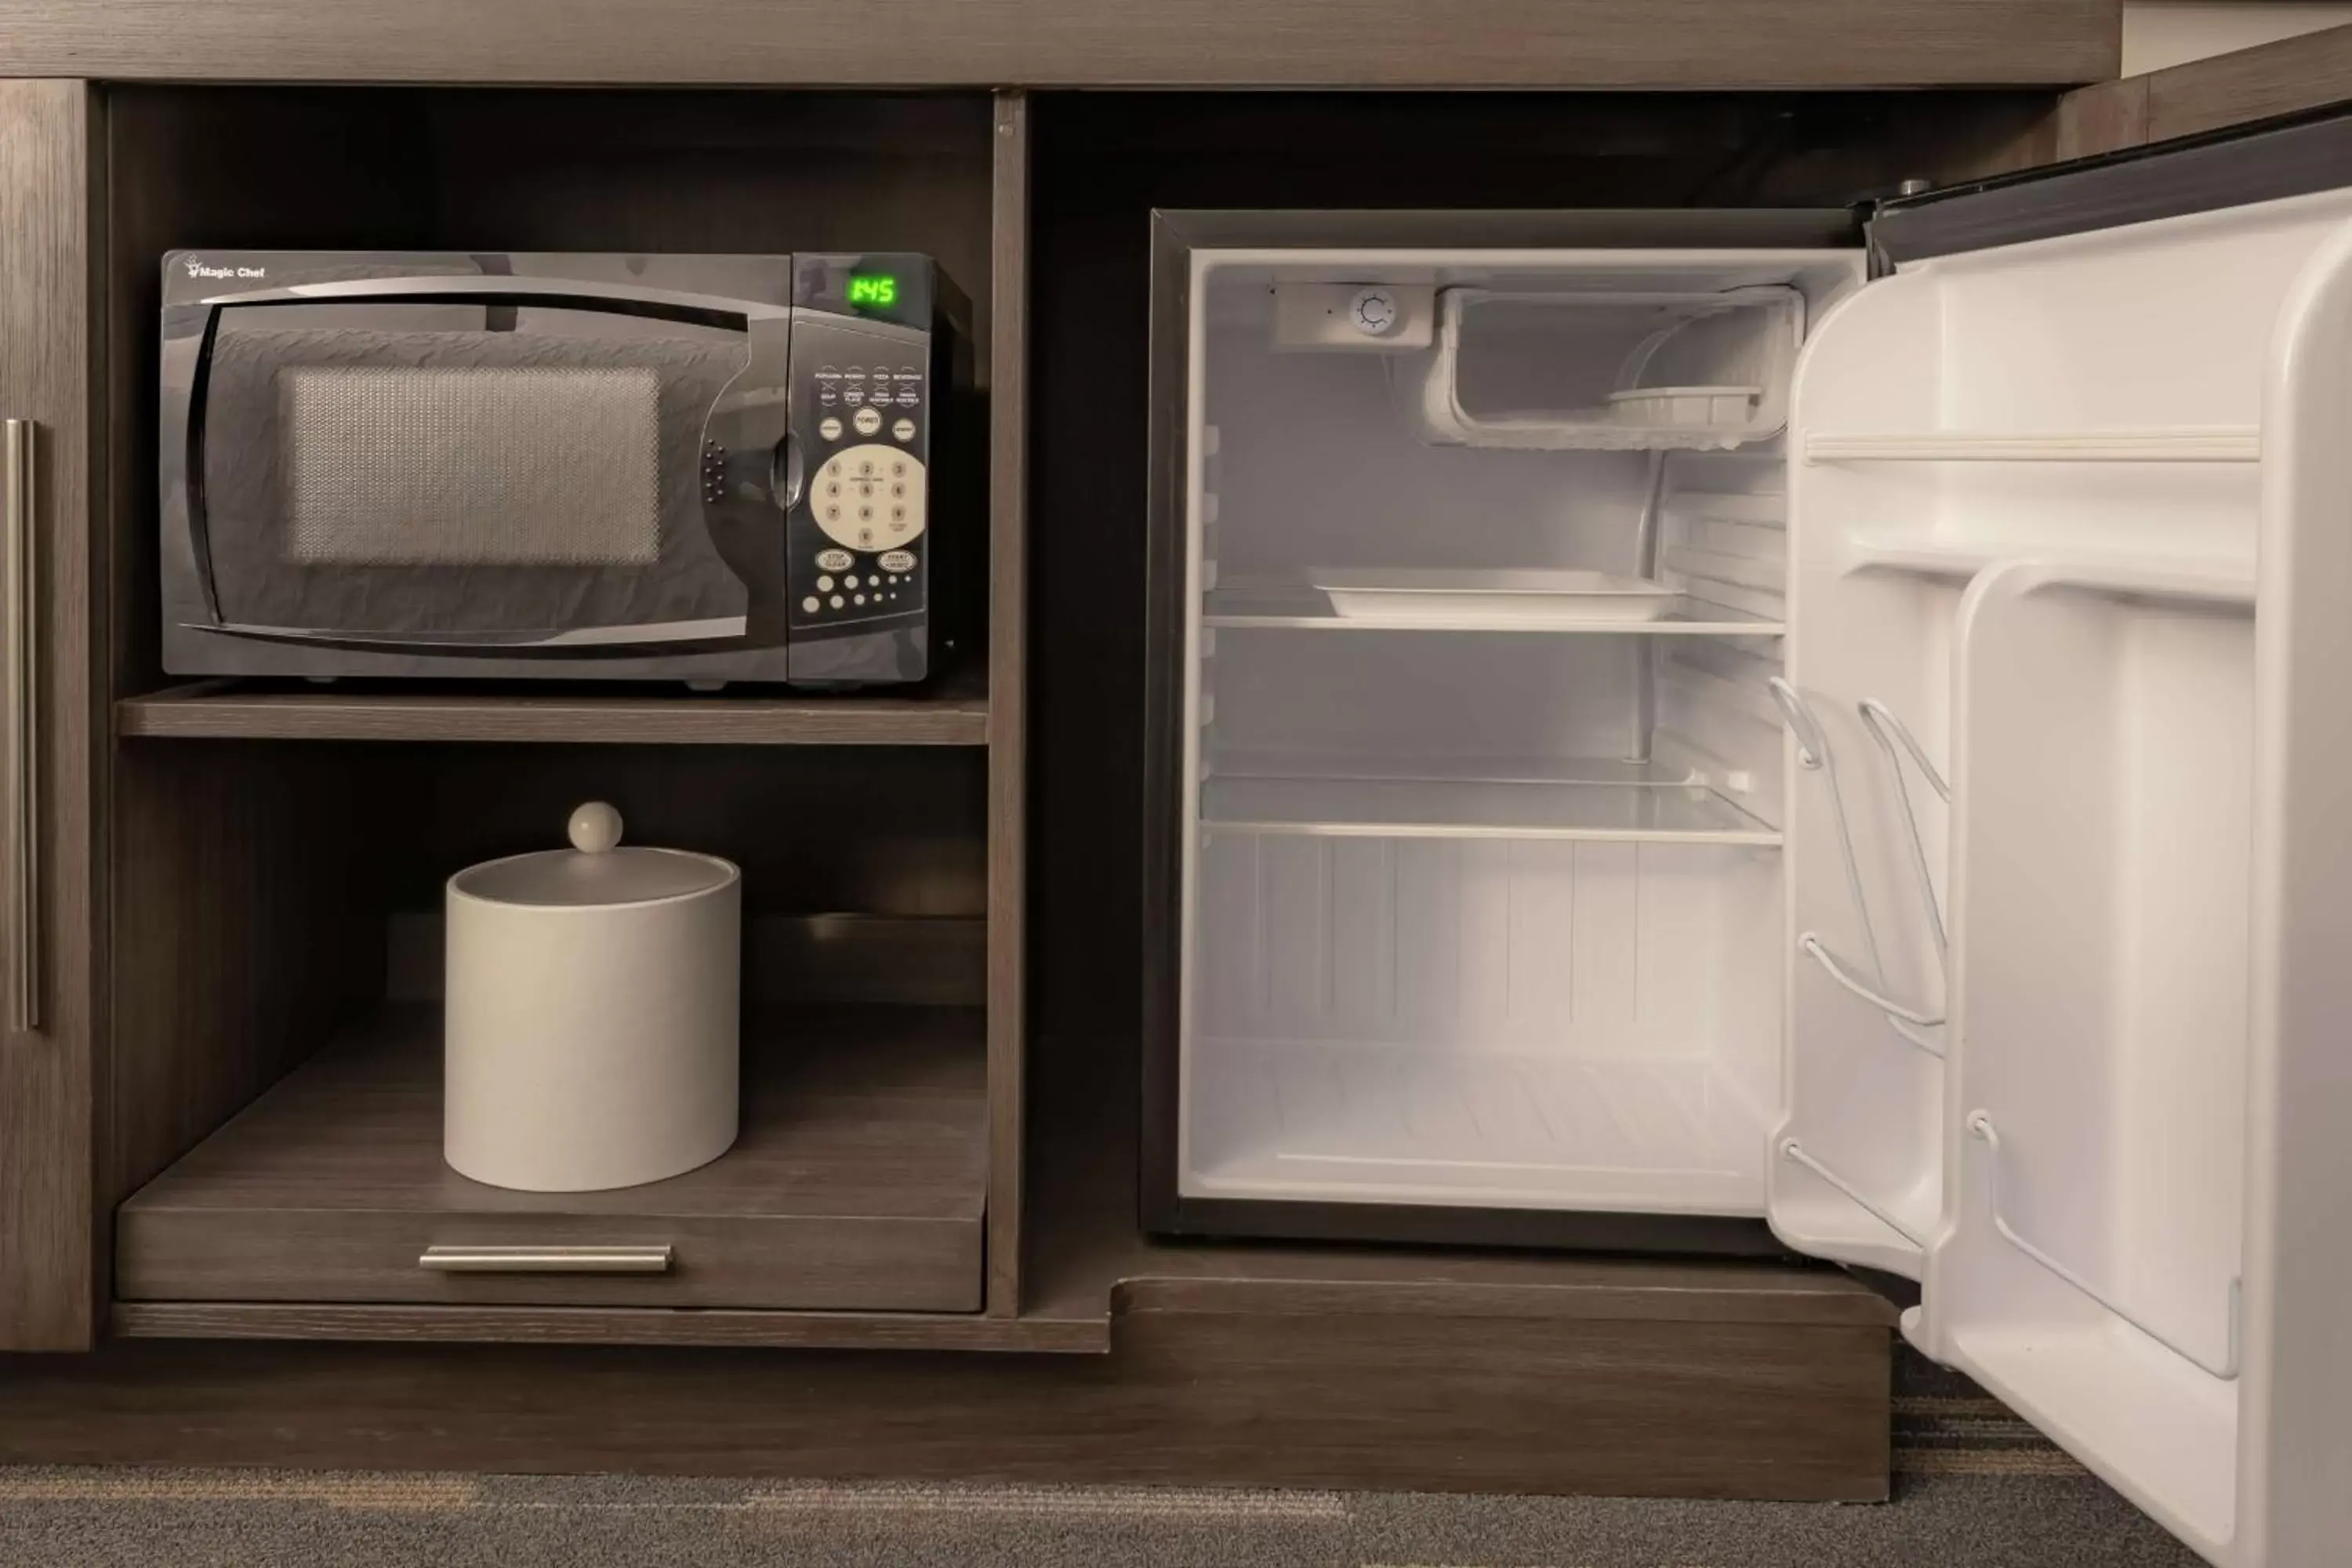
{"x":273,"y":895}
{"x":276,"y":900}
{"x":468,"y":170}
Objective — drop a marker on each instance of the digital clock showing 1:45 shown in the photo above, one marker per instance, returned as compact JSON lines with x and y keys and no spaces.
{"x":873,"y":289}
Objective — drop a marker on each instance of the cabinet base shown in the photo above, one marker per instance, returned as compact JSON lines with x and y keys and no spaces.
{"x":1202,"y":1387}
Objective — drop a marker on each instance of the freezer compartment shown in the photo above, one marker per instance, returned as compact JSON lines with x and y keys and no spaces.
{"x":1533,"y":364}
{"x":1308,"y":467}
{"x":1504,"y":1022}
{"x":1541,"y":349}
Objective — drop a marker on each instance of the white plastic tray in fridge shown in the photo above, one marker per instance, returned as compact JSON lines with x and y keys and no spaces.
{"x":1686,"y":407}
{"x":1468,"y":597}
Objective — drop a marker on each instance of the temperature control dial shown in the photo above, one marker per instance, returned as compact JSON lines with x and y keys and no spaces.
{"x":1373,"y":313}
{"x":869,"y":496}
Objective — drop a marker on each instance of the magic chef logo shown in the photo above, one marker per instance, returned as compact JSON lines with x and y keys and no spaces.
{"x":197,"y":268}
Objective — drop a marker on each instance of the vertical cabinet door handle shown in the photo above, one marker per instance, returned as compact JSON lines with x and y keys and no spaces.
{"x":20,"y":712}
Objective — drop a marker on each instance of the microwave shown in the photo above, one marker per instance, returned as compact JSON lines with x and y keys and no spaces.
{"x":708,"y":468}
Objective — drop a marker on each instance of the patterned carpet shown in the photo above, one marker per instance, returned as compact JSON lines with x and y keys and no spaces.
{"x":1975,"y":1489}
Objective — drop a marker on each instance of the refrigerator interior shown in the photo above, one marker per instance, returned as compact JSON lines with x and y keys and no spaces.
{"x":1483,"y":905}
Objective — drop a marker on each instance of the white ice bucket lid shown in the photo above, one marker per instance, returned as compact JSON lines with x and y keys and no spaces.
{"x":594,"y":873}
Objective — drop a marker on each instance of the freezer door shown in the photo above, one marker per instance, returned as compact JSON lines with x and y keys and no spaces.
{"x":2072,"y":505}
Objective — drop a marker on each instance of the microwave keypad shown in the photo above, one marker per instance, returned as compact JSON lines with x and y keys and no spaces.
{"x":861,"y":386}
{"x":858,"y":532}
{"x":869,"y":496}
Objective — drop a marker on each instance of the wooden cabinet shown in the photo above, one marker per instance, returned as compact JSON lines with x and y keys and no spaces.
{"x":196,"y":1141}
{"x":1523,"y":43}
{"x":280,"y":850}
{"x":52,"y":1267}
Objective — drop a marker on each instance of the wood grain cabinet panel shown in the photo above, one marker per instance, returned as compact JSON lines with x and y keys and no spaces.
{"x":1084,"y":43}
{"x":2292,"y":77}
{"x":52,"y":1263}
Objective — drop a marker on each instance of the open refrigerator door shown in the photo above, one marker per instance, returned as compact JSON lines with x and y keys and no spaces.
{"x":2069,"y":512}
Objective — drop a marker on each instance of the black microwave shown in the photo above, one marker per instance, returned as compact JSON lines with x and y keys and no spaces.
{"x":599,"y":467}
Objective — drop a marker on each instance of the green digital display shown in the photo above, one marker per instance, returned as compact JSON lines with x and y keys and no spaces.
{"x":873,"y":289}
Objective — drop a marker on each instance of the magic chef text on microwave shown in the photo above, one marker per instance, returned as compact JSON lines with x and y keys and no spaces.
{"x":599,"y":467}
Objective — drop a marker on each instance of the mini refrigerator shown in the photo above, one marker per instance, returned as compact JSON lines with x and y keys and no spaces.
{"x":1809,"y":731}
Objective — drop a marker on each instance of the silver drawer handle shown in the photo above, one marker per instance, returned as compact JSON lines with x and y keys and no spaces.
{"x":546,"y":1259}
{"x":22,"y":717}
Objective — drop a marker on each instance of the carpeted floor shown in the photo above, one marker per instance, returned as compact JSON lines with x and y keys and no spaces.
{"x":1975,"y":1489}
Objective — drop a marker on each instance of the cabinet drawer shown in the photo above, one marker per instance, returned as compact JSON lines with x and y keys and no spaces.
{"x":857,"y":1183}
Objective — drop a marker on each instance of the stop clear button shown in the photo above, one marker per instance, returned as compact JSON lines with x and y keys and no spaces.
{"x":898,"y":561}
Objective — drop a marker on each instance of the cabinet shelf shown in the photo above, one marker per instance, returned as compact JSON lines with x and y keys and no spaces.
{"x":1599,"y":807}
{"x":1297,"y":607}
{"x":859,"y":1183}
{"x":953,"y":713}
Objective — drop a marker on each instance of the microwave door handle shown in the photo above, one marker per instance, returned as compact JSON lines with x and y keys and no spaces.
{"x":717,"y":629}
{"x":787,"y":477}
{"x":462,"y":288}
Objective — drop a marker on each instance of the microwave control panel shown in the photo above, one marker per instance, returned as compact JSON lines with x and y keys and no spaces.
{"x":856,"y":542}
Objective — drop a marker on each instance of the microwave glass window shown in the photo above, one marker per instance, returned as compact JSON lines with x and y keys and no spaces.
{"x":473,"y":465}
{"x":465,"y":468}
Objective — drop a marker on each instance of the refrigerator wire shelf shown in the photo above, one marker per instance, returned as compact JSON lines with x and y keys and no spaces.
{"x":1813,"y":755}
{"x":1791,"y":1150}
{"x":1982,"y":1126}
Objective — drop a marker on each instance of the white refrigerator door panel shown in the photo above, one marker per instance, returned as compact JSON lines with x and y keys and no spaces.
{"x":2075,"y":516}
{"x":2295,"y":1447}
{"x":2089,"y":1269}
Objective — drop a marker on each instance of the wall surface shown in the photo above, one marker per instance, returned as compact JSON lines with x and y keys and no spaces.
{"x":2162,"y":33}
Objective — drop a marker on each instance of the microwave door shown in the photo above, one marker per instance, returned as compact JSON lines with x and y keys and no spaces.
{"x":481,"y":463}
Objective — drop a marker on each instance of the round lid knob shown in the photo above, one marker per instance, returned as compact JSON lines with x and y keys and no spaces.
{"x":595,"y":872}
{"x":595,"y":826}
